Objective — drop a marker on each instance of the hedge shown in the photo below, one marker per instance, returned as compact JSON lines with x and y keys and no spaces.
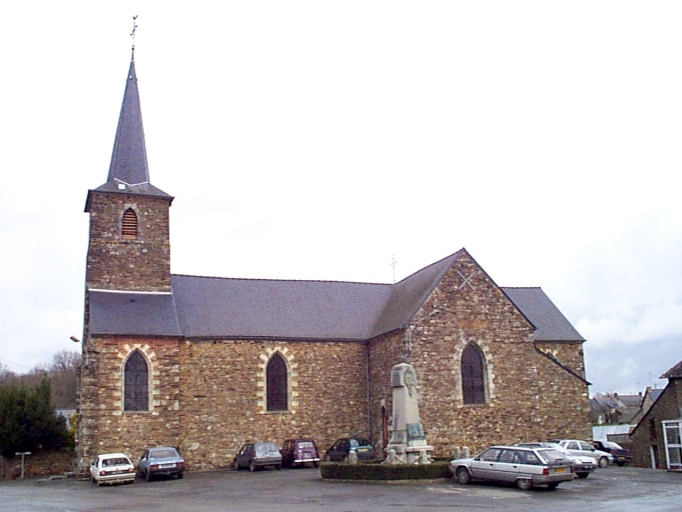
{"x":375,"y":470}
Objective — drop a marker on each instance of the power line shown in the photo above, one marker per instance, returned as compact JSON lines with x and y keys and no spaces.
{"x":15,"y":364}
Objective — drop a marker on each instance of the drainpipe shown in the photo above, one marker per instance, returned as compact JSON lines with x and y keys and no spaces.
{"x":367,"y":382}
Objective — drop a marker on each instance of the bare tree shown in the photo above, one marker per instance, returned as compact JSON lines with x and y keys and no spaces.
{"x":63,"y":372}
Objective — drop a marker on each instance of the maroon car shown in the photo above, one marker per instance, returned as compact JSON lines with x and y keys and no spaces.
{"x":299,"y":452}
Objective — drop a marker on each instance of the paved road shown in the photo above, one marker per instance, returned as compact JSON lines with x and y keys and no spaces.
{"x":302,"y":490}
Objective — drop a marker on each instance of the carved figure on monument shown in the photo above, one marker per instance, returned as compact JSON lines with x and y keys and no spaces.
{"x":408,"y":443}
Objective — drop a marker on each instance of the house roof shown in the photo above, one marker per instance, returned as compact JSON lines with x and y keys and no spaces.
{"x":211,"y":307}
{"x":674,"y":373}
{"x":550,"y":323}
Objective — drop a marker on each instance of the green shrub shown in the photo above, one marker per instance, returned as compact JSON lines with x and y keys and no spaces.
{"x":375,"y":470}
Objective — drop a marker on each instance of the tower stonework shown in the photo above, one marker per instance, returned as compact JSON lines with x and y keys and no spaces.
{"x":117,"y":262}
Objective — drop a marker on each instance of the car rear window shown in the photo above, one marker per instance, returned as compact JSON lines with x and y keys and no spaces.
{"x":114,"y":462}
{"x":552,"y":455}
{"x":163,"y":454}
{"x":266,"y":450}
{"x":305,"y":444}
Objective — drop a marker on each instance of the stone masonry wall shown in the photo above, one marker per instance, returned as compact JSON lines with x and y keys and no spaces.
{"x":523,"y":387}
{"x":116,"y":263}
{"x":103,"y":425}
{"x":208,"y":397}
{"x":223,"y":384}
{"x":570,"y":354}
{"x":649,"y":431}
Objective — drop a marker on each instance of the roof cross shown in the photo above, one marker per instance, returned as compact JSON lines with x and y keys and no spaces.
{"x":393,"y":264}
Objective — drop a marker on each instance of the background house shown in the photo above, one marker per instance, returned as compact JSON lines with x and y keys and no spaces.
{"x":657,"y":437}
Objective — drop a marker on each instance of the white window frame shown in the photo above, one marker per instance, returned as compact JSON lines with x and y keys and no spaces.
{"x":670,"y":446}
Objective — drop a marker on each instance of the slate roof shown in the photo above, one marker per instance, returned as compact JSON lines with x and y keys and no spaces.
{"x":550,"y":323}
{"x":129,"y":170}
{"x":674,"y":373}
{"x":210,"y":307}
{"x":142,"y":314}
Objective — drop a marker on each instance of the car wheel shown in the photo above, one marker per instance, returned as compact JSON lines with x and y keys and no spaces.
{"x":620,"y":463}
{"x":148,"y":476}
{"x":278,"y":466}
{"x":524,"y":483}
{"x":252,"y":467}
{"x":463,"y":476}
{"x":582,"y":474}
{"x":603,"y":462}
{"x":553,"y":485}
{"x":316,"y":464}
{"x":180,"y":475}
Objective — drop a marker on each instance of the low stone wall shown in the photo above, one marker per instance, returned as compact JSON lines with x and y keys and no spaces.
{"x":38,"y":464}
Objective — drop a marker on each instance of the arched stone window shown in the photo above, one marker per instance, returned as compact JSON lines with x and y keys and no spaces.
{"x":129,"y":224}
{"x":473,"y":375}
{"x":277,"y":386}
{"x":136,"y":383}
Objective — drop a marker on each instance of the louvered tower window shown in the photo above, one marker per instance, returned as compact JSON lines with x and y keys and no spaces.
{"x":473,"y":375}
{"x":129,"y":224}
{"x":136,"y":383}
{"x":277,"y":392}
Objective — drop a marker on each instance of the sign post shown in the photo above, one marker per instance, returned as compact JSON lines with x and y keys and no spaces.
{"x":23,"y":455}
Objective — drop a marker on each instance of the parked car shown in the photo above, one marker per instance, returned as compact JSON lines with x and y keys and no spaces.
{"x":577,"y":447}
{"x":161,"y":461}
{"x":258,"y":455}
{"x":339,"y":451}
{"x":524,"y":467}
{"x":582,"y":465}
{"x":620,"y":454}
{"x":298,"y":452}
{"x":112,"y":468}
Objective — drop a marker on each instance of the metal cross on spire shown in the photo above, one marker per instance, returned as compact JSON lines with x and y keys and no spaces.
{"x":132,"y":34}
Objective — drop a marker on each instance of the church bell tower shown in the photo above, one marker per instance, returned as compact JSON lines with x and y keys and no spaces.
{"x":129,"y":243}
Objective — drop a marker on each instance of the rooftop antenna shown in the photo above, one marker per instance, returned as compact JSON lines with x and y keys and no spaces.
{"x":132,"y":34}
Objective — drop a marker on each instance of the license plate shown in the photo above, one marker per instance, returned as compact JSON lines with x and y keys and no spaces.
{"x":167,"y":466}
{"x":560,"y":470}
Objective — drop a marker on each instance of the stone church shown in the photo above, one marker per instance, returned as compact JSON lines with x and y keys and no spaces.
{"x":207,"y":363}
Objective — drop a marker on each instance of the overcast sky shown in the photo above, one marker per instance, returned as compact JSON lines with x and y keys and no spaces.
{"x":319,"y":140}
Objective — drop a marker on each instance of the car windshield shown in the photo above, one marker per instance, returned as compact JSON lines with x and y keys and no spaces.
{"x":163,"y":454}
{"x":267,"y":450}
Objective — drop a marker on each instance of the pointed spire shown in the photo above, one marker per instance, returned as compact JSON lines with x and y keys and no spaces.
{"x":129,"y":171}
{"x":129,"y":157}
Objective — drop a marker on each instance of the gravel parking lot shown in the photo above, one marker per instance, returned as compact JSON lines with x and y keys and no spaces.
{"x":302,"y":490}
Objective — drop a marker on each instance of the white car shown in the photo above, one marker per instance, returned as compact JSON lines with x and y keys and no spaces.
{"x":577,"y":447}
{"x":524,"y":467}
{"x":112,"y":468}
{"x":582,"y":464}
